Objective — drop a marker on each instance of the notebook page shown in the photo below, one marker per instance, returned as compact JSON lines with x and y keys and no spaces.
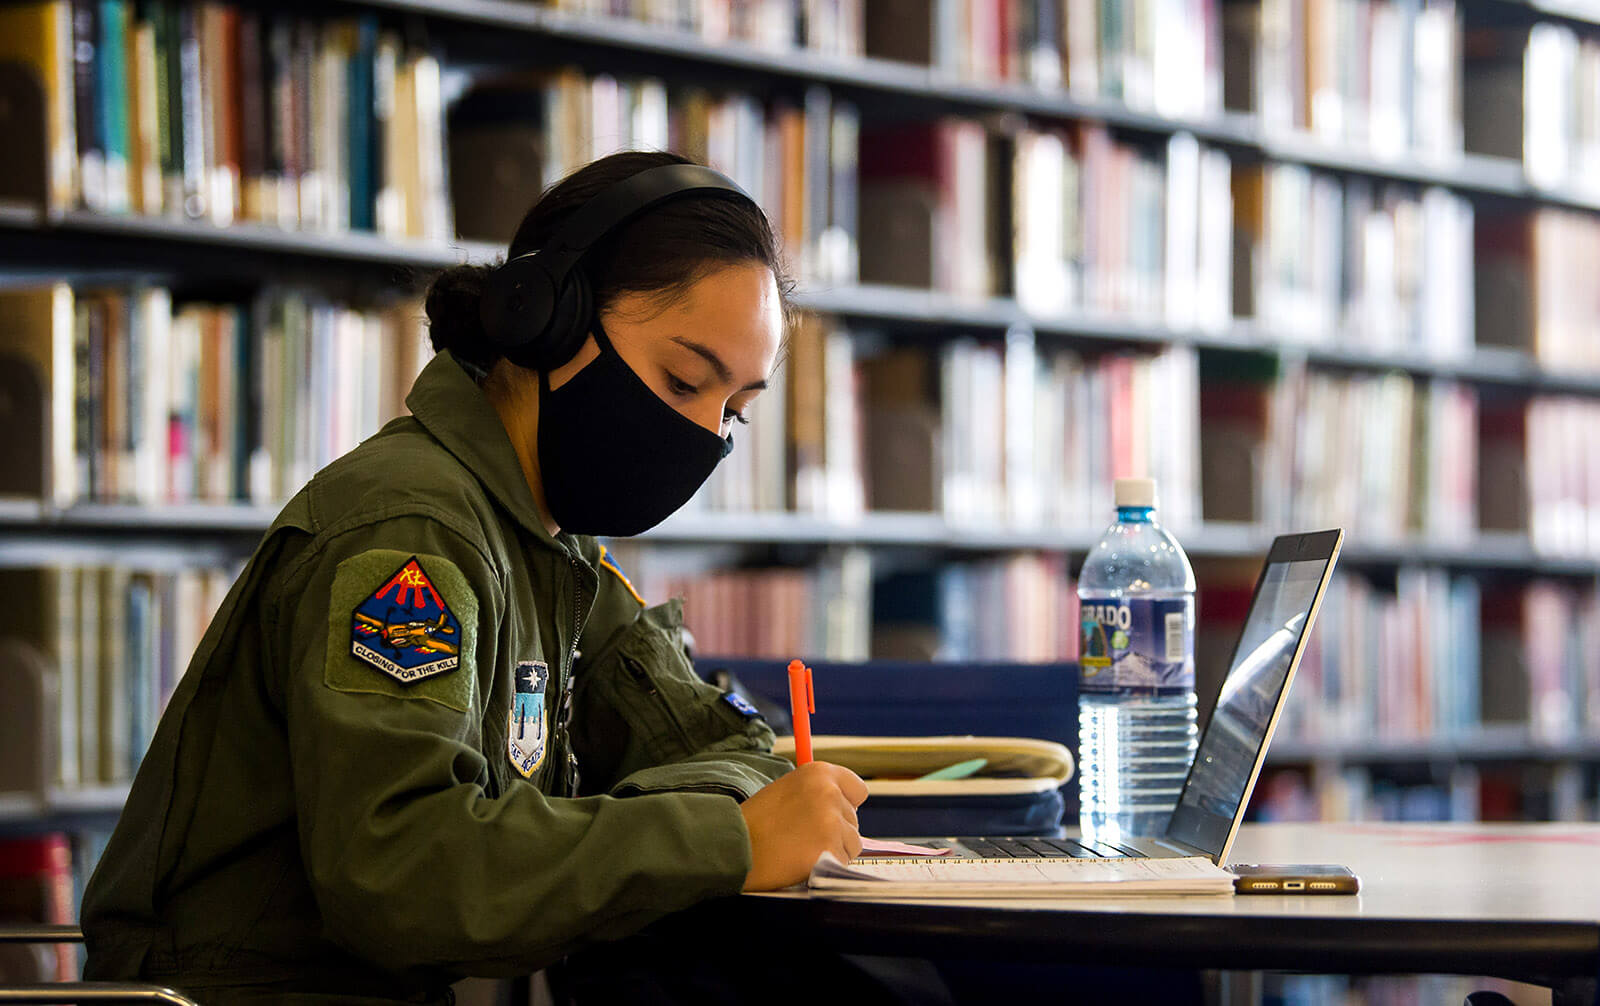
{"x":1021,"y":878}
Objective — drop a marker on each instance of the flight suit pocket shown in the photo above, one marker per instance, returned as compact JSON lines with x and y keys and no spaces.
{"x":676,"y":713}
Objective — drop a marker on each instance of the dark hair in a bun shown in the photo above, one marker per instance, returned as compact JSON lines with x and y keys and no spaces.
{"x":661,"y":252}
{"x":452,"y":308}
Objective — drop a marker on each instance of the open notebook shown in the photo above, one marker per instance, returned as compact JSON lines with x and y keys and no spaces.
{"x":1020,"y":878}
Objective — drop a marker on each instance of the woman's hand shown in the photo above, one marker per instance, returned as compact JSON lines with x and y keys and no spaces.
{"x":798,"y":817}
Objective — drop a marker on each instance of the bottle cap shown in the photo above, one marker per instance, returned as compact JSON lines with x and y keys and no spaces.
{"x":1135,"y":492}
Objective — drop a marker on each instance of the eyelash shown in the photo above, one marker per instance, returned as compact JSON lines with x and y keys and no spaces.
{"x":678,"y":386}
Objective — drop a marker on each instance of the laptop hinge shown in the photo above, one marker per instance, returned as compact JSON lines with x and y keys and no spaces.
{"x":1184,"y":847}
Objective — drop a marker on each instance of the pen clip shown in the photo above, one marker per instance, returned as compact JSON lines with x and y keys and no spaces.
{"x":811,"y":694}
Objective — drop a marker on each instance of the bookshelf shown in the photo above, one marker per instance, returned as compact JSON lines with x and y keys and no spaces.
{"x":231,"y":530}
{"x":57,"y":244}
{"x":61,"y":809}
{"x":38,"y":241}
{"x":1490,"y":744}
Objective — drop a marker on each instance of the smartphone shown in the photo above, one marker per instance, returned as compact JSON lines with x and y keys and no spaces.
{"x":1293,"y":878}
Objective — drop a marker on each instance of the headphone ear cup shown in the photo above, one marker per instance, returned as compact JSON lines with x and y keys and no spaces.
{"x":568,"y":326}
{"x":515,"y":305}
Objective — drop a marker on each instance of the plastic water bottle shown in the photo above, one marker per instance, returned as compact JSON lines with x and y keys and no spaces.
{"x":1136,"y":715}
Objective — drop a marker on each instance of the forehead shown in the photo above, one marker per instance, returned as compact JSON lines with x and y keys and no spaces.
{"x":735,"y":310}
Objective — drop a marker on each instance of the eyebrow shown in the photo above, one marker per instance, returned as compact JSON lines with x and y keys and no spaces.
{"x":724,"y":374}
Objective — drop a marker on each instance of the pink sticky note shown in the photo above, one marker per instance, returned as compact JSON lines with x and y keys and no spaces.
{"x":878,"y":847}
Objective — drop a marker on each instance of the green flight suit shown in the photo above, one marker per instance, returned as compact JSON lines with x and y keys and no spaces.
{"x":310,"y":821}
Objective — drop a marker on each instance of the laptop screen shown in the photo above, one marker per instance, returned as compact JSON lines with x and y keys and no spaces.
{"x":1225,"y":763}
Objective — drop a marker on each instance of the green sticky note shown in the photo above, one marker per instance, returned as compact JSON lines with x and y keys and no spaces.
{"x":960,"y":770}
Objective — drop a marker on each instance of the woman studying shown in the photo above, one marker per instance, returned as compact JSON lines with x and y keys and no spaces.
{"x":432,"y":731}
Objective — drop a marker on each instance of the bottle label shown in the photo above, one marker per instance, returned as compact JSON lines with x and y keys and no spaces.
{"x":1136,"y":646}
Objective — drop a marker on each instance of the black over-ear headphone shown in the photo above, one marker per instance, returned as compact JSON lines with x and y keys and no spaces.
{"x":537,"y":308}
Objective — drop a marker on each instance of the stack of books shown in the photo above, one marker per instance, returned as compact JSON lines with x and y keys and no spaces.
{"x":1445,"y":790}
{"x":832,"y":27}
{"x":1105,"y":228}
{"x":822,"y":610}
{"x":1543,"y":642}
{"x":1441,"y":656}
{"x":226,"y":114}
{"x":1549,"y":484}
{"x":1162,"y":57}
{"x":934,"y":208}
{"x":1020,"y":607}
{"x":1034,"y":438}
{"x":150,"y":400}
{"x":1377,"y":75}
{"x":39,"y":873}
{"x":1067,"y":220}
{"x":1534,"y":290}
{"x":1395,"y":664}
{"x":119,"y":639}
{"x":513,"y":136}
{"x":1384,"y":455}
{"x":1531,"y":95}
{"x":1325,"y":260}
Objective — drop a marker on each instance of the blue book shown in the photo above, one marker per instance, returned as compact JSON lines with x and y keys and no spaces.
{"x":111,"y":100}
{"x":362,"y":148}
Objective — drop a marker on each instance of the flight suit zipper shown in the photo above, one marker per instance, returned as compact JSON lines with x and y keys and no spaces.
{"x":572,"y":773}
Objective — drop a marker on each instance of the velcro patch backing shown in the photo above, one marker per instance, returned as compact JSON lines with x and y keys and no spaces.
{"x":404,"y":625}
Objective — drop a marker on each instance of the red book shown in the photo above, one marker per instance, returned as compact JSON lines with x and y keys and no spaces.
{"x":36,"y":884}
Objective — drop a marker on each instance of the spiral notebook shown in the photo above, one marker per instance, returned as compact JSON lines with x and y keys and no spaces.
{"x":1035,"y":878}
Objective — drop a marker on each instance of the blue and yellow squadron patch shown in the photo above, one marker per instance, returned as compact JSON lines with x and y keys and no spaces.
{"x":525,"y":727}
{"x":405,"y":629}
{"x":609,"y":561}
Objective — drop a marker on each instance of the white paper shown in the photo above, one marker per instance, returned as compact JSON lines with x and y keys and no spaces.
{"x":1031,"y":878}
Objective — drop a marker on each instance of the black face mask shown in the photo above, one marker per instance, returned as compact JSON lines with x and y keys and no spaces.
{"x":616,"y":459}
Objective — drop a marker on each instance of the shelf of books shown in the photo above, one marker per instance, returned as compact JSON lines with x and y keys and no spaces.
{"x":1306,"y":263}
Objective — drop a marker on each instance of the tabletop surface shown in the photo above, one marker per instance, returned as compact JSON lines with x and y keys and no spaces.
{"x":1466,"y":872}
{"x":1514,"y":900}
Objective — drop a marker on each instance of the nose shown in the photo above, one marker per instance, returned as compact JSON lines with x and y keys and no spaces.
{"x":707,"y":413}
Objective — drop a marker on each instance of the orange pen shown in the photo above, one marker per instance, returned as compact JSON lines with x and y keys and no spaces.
{"x":802,"y":703}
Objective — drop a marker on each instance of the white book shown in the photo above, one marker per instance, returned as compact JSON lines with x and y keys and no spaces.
{"x":988,"y":430}
{"x":1214,"y":283}
{"x":64,"y":579}
{"x":1436,"y":93}
{"x":1020,"y":380}
{"x":1183,"y":231}
{"x":437,"y":222}
{"x":768,"y":434}
{"x":1386,"y":119}
{"x":389,"y":201}
{"x":89,"y":674}
{"x":116,"y":716}
{"x":1546,"y":95}
{"x":153,"y":310}
{"x":845,"y":499}
{"x":955,"y":425}
{"x":1042,"y":282}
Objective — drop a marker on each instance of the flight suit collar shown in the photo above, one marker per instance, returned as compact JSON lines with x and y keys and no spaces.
{"x":453,"y":409}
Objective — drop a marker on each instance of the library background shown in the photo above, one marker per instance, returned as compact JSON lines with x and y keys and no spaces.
{"x":1305,"y":262}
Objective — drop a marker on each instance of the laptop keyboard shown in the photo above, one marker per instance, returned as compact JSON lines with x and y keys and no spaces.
{"x":1047,"y":848}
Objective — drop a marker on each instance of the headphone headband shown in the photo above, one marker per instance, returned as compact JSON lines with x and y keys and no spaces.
{"x":620,"y":202}
{"x":536,"y":307}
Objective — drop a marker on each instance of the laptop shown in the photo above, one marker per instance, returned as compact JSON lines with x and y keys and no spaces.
{"x":1227,"y":762}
